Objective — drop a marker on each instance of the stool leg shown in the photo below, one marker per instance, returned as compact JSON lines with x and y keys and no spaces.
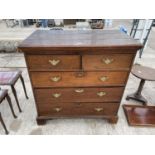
{"x":137,"y":95}
{"x":15,"y":94}
{"x":23,"y":83}
{"x":3,"y":124}
{"x":11,"y":107}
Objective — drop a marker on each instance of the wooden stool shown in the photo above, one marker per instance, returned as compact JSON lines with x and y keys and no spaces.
{"x":4,"y":95}
{"x":10,"y":78}
{"x":145,"y":74}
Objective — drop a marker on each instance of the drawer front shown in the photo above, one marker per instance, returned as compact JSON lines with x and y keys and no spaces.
{"x":53,"y":62}
{"x":107,"y":61}
{"x":78,"y":109}
{"x":78,"y":79}
{"x":56,"y":95}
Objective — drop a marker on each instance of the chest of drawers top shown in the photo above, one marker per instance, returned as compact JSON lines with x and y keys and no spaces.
{"x":82,"y":41}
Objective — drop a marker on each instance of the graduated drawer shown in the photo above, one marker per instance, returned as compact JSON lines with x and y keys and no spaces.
{"x":78,"y":79}
{"x":78,"y":109}
{"x":54,"y":95}
{"x":107,"y":61}
{"x":53,"y":62}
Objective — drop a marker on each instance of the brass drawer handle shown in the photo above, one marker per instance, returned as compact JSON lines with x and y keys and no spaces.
{"x":56,"y":78}
{"x":56,"y":95}
{"x":79,"y":90}
{"x":102,"y":93}
{"x":103,"y":78}
{"x":57,"y":109}
{"x":98,"y":109}
{"x":107,"y":61}
{"x":54,"y":62}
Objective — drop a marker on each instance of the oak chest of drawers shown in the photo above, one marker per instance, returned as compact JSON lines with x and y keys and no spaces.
{"x":78,"y":73}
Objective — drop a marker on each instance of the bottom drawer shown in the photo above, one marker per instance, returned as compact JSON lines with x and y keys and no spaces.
{"x":78,"y":109}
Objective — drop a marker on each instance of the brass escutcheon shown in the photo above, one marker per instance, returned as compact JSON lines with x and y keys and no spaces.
{"x":102,"y":93}
{"x":98,"y":109}
{"x":56,"y":78}
{"x":79,"y":90}
{"x":56,"y":95}
{"x":57,"y":109}
{"x":54,"y":62}
{"x":103,"y":78}
{"x":107,"y":61}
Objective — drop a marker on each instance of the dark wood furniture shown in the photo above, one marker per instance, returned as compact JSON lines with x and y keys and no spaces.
{"x":69,"y":21}
{"x":140,"y":115}
{"x":145,"y":74}
{"x":10,"y":78}
{"x":4,"y":95}
{"x":78,"y":73}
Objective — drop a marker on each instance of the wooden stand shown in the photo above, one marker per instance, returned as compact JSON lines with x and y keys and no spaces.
{"x":145,"y":74}
{"x":137,"y":95}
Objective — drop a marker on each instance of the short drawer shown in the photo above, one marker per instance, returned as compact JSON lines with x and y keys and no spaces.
{"x":53,"y":62}
{"x":78,"y":109}
{"x":78,"y":79}
{"x":56,"y":95}
{"x":107,"y":61}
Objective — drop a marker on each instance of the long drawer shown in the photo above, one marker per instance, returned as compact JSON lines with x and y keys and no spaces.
{"x":107,"y":61}
{"x":78,"y":109}
{"x":54,"y":95}
{"x":53,"y":62}
{"x":78,"y":79}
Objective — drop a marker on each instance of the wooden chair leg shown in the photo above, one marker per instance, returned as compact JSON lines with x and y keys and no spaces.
{"x":16,"y":98}
{"x":11,"y":107}
{"x":3,"y":124}
{"x":23,"y":83}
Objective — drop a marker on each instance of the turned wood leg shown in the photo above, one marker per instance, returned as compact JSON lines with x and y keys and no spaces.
{"x":113,"y":119}
{"x":137,"y":95}
{"x":3,"y":124}
{"x":11,"y":107}
{"x":23,"y":83}
{"x":41,"y":121}
{"x":16,"y":98}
